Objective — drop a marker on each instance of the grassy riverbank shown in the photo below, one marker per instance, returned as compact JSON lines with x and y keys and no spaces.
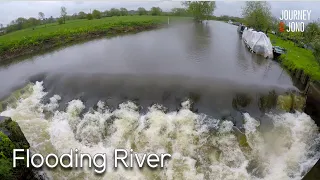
{"x":297,"y":58}
{"x":52,"y":35}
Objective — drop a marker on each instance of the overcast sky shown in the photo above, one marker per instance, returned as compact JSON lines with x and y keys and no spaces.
{"x":10,"y":10}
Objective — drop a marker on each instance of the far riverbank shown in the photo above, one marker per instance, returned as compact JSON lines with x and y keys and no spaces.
{"x":29,"y":41}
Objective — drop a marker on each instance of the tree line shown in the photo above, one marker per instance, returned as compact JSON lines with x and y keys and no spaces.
{"x":22,"y":23}
{"x":257,"y":15}
{"x":198,"y":9}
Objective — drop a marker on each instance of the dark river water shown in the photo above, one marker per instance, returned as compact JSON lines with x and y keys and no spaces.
{"x":204,"y":62}
{"x":207,"y":64}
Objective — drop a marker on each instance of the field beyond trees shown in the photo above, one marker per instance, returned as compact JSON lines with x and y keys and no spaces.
{"x":52,"y":35}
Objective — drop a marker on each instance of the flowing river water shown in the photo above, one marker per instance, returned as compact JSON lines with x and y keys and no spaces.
{"x":169,"y":90}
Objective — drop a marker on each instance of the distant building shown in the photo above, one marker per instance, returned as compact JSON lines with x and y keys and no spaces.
{"x":230,"y":22}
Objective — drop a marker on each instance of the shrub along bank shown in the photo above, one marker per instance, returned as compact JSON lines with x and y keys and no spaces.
{"x":41,"y":38}
{"x":297,"y":58}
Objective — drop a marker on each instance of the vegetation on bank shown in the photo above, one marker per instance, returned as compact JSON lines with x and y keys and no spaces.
{"x":198,"y":10}
{"x":23,"y":23}
{"x":11,"y":137}
{"x":297,"y":57}
{"x":6,"y":147}
{"x":55,"y":34}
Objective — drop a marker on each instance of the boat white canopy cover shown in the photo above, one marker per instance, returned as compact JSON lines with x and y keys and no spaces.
{"x":258,"y":42}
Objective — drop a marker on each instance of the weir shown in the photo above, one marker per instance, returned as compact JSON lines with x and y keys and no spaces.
{"x":313,"y":100}
{"x":310,"y":89}
{"x":313,"y":103}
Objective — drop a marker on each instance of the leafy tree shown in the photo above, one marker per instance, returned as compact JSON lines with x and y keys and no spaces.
{"x":12,"y":26}
{"x":179,"y":12}
{"x":274,"y":24}
{"x":257,"y":14}
{"x":132,"y":12}
{"x":82,"y":15}
{"x":106,"y":13}
{"x":114,"y":12}
{"x":200,"y":10}
{"x":155,"y":11}
{"x":96,"y":14}
{"x":312,"y":30}
{"x":20,"y":22}
{"x":89,"y":16}
{"x":142,"y":11}
{"x":123,"y":11}
{"x":63,"y":13}
{"x":32,"y":22}
{"x":312,"y":38}
{"x":41,"y":17}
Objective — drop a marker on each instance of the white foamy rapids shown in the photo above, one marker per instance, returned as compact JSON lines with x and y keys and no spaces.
{"x":201,"y":147}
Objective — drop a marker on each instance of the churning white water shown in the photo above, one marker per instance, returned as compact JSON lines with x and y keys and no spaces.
{"x":201,"y":147}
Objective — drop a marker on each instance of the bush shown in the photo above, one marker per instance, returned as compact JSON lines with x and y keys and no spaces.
{"x":5,"y":169}
{"x":96,"y":14}
{"x":114,"y":12}
{"x":123,"y":12}
{"x":89,"y":16}
{"x":6,"y":147}
{"x":60,"y":20}
{"x":142,"y":11}
{"x":156,"y":11}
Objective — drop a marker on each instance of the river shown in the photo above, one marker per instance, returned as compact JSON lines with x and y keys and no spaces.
{"x":165,"y":90}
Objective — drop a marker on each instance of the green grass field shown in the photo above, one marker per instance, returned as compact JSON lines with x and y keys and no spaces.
{"x":297,"y":58}
{"x":14,"y":41}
